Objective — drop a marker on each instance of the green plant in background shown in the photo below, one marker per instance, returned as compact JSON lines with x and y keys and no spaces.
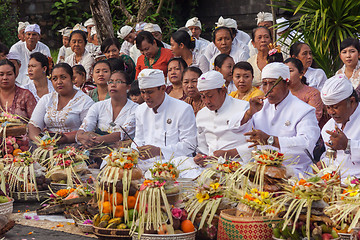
{"x":66,"y":13}
{"x":8,"y":26}
{"x":323,"y":24}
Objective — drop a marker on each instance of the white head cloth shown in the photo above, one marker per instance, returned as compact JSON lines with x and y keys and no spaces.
{"x":80,"y":27}
{"x":140,"y":26}
{"x":226,"y":22}
{"x":336,"y":89}
{"x":65,"y":32}
{"x":93,"y":31}
{"x":14,"y":56}
{"x":151,"y":27}
{"x":89,"y":22}
{"x":124,"y":31}
{"x":210,"y":80}
{"x":276,"y":70}
{"x":149,"y":78}
{"x":264,"y":17}
{"x":33,"y":28}
{"x":283,"y":26}
{"x":193,"y":22}
{"x":22,"y":25}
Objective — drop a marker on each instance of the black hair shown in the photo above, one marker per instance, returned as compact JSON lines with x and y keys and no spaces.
{"x":125,"y":75}
{"x":134,"y":89}
{"x":245,"y":66}
{"x":355,"y":95}
{"x":145,"y":35}
{"x":105,"y":45}
{"x":275,"y":57}
{"x":79,"y":69}
{"x":179,"y":60}
{"x":257,"y":28}
{"x":41,"y":58}
{"x":296,"y":48}
{"x":8,"y":62}
{"x":350,"y":42}
{"x":220,"y":59}
{"x":116,"y":64}
{"x":103,"y":61}
{"x":82,"y":33}
{"x":4,"y":49}
{"x":221,"y":28}
{"x":191,"y":69}
{"x":183,"y":37}
{"x":66,"y":67}
{"x":300,"y":67}
{"x":233,"y":32}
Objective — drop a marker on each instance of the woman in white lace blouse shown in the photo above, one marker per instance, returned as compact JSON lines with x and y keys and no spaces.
{"x":61,"y":111}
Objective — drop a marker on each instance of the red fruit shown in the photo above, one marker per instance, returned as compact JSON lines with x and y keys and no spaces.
{"x":9,"y":149}
{"x":184,"y":215}
{"x":326,"y":236}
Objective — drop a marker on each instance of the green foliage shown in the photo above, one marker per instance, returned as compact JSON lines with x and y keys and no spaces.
{"x":54,"y":54}
{"x":66,"y":13}
{"x":8,"y":26}
{"x":323,"y":24}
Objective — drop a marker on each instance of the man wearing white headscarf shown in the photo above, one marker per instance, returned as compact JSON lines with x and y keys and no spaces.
{"x":281,"y":121}
{"x":342,"y":132}
{"x":238,"y":44}
{"x":65,"y":49}
{"x":128,"y":34}
{"x":89,"y":24}
{"x":215,"y":138}
{"x":263,"y":19}
{"x":156,"y":32}
{"x":21,"y":32}
{"x":194,"y":25}
{"x":165,"y":126}
{"x":24,"y":49}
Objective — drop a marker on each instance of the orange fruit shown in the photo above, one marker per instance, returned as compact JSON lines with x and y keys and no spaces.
{"x":16,"y":152}
{"x":187,"y":226}
{"x":106,"y":207}
{"x":131,"y":202}
{"x":163,"y":229}
{"x":119,"y":198}
{"x":119,"y":211}
{"x":106,"y":196}
{"x":136,"y":194}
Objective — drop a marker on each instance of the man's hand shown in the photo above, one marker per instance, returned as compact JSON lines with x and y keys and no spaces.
{"x":149,"y":151}
{"x":338,"y":140}
{"x":200,"y":159}
{"x":257,"y":137}
{"x":256,"y":104}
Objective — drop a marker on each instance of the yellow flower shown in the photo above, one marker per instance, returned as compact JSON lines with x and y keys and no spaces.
{"x":257,"y":201}
{"x":201,"y":197}
{"x":354,"y":193}
{"x":254,"y":190}
{"x":264,"y":195}
{"x":214,"y":185}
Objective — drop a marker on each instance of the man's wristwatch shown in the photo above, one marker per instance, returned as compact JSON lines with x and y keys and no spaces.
{"x":348,"y":147}
{"x":270,"y":140}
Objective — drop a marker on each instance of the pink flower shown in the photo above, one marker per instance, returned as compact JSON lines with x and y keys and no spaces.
{"x":176,"y":212}
{"x":28,"y":217}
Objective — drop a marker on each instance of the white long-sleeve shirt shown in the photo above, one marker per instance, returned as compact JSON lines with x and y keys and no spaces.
{"x":350,"y":162}
{"x":86,"y":61}
{"x":24,"y":54}
{"x":100,"y":115}
{"x":293,"y":122}
{"x":214,"y":132}
{"x":172,"y":128}
{"x":125,"y":47}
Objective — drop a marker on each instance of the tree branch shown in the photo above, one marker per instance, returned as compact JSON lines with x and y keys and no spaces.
{"x":144,"y":6}
{"x":160,"y":6}
{"x":124,"y":10}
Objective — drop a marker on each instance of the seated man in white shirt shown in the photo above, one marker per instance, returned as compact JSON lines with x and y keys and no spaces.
{"x":215,"y":138}
{"x":25,"y":49}
{"x":165,"y":126}
{"x":282,"y":121}
{"x":342,"y":132}
{"x":128,"y":34}
{"x":194,"y":25}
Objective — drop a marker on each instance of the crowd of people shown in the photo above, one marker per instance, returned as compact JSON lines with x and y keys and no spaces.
{"x":190,"y":98}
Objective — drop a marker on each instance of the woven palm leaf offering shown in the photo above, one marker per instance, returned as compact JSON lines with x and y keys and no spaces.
{"x":67,"y":166}
{"x":301,"y":205}
{"x":25,"y":175}
{"x":221,"y":168}
{"x":117,"y":188}
{"x":11,"y":125}
{"x":265,"y":170}
{"x":345,"y":211}
{"x":46,"y":146}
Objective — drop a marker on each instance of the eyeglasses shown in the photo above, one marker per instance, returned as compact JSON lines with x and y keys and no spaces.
{"x":115,"y":82}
